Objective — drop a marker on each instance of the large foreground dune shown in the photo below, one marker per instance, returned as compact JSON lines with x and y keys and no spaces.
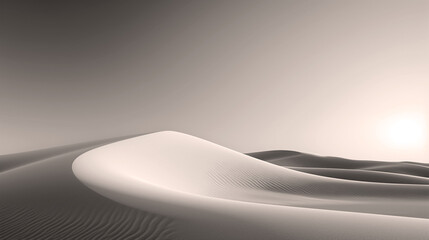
{"x":170,"y":185}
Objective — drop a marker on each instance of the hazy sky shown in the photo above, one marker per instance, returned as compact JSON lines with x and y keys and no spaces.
{"x":313,"y":76}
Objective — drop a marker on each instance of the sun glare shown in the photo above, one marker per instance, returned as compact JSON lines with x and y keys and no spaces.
{"x":405,"y":131}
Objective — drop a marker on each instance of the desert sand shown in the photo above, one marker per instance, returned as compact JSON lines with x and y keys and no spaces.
{"x":170,"y":185}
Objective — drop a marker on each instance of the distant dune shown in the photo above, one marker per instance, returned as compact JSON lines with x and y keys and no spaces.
{"x":170,"y":185}
{"x":370,"y":171}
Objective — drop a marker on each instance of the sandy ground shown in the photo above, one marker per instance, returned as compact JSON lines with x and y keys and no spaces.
{"x":170,"y":185}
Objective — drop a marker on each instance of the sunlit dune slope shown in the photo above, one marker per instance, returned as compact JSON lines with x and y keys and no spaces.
{"x":218,"y":190}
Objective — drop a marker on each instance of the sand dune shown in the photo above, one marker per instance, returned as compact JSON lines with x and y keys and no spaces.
{"x":364,"y":175}
{"x":372,"y":171}
{"x":204,"y":184}
{"x":170,"y":185}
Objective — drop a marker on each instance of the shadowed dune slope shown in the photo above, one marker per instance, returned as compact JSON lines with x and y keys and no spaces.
{"x":11,"y":161}
{"x":42,"y":199}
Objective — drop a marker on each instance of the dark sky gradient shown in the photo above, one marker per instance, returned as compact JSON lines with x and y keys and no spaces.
{"x":312,"y":76}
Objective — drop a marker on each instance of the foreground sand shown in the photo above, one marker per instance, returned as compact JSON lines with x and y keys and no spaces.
{"x":40,"y":198}
{"x":170,"y":185}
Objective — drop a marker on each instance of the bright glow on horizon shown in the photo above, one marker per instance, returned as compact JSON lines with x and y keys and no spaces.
{"x":405,"y":131}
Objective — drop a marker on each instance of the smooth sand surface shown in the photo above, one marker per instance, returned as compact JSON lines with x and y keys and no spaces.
{"x":217,"y":193}
{"x":170,"y":185}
